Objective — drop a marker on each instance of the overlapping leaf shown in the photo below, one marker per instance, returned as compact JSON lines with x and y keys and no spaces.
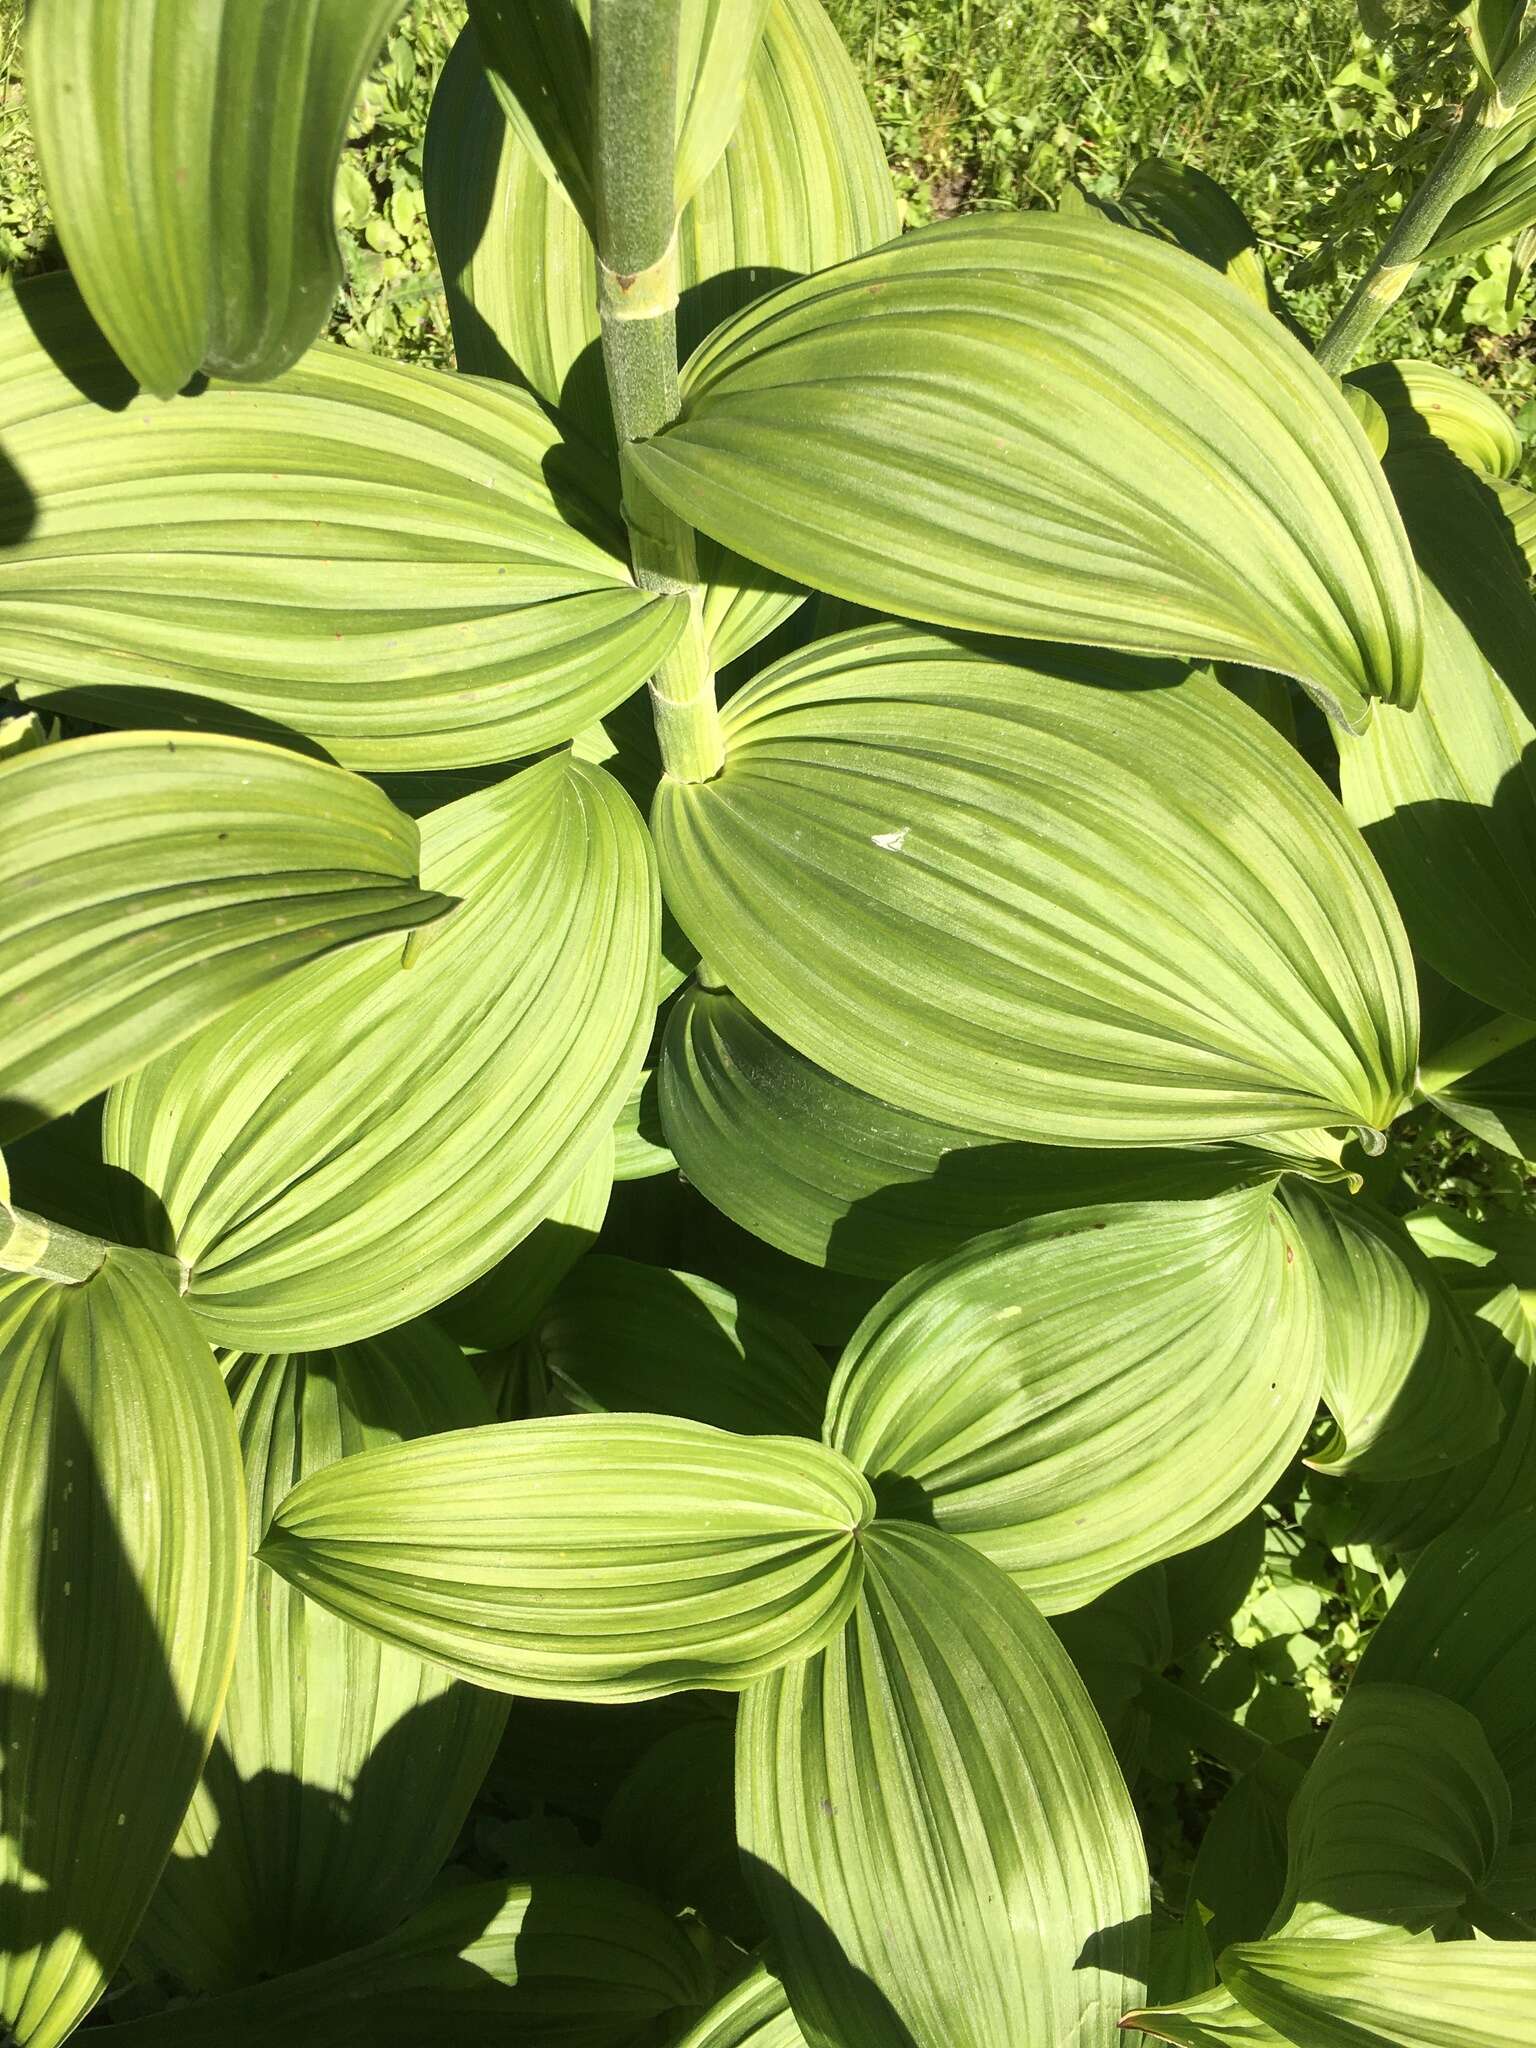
{"x":639,"y":1149}
{"x":1406,"y":1384}
{"x":560,"y":1963}
{"x":190,"y":149}
{"x":503,"y":1305}
{"x":1503,"y":200}
{"x":1045,"y":426}
{"x":934,"y":1821}
{"x":147,"y":883}
{"x":585,"y":1557}
{"x":343,"y":1770}
{"x":839,"y":1178}
{"x":539,"y":54}
{"x":623,"y":1337}
{"x":431,"y":1108}
{"x":1423,"y":399}
{"x":1447,"y":798}
{"x":1389,"y":1994}
{"x":1069,"y":898}
{"x":122,"y":1545}
{"x":1398,"y":1821}
{"x":802,"y":184}
{"x":753,"y":2014}
{"x":412,"y":570}
{"x":1080,"y":1395}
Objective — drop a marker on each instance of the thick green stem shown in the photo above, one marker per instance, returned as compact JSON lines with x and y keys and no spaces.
{"x":1465,"y":1055}
{"x":634,"y":50}
{"x":47,"y":1251}
{"x":1216,"y":1734}
{"x":1453,"y":174}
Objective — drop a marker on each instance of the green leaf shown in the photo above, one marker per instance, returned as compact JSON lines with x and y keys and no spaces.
{"x":934,"y":1821}
{"x":1398,"y":1821}
{"x":1019,"y":896}
{"x":1463,"y":1626}
{"x":1185,"y":207}
{"x":122,"y":1542}
{"x":1447,"y":798}
{"x":503,"y":1305}
{"x":1211,"y":2019}
{"x":150,"y":882}
{"x":189,"y":148}
{"x":585,"y":1557}
{"x":671,"y":1827}
{"x":540,"y":58}
{"x":1428,"y":401}
{"x":342,"y":1770}
{"x":1080,"y":1395}
{"x":412,"y":570}
{"x":640,"y":1149}
{"x":1503,"y":201}
{"x":1116,"y":1642}
{"x":1404,"y":1381}
{"x":1045,"y":426}
{"x":432,"y":1107}
{"x":802,"y":184}
{"x":1390,"y":1994}
{"x":1518,"y":506}
{"x":1405,"y":1516}
{"x":839,"y":1178}
{"x":753,"y":2014}
{"x":559,"y":1963}
{"x":622,"y":1337}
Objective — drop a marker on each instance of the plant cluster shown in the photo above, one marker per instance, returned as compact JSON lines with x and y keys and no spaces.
{"x":721,"y":1045}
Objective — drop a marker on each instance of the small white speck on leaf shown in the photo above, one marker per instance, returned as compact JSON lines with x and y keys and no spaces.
{"x":893,"y":842}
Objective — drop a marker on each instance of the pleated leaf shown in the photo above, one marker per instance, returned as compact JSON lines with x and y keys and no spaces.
{"x":934,"y":1821}
{"x":1045,"y":426}
{"x":802,"y":184}
{"x":1398,"y":1821}
{"x":1426,"y":400}
{"x":503,"y":1305}
{"x":150,"y":882}
{"x":122,"y":1556}
{"x":839,"y":1178}
{"x":585,"y":1557}
{"x":410,"y":569}
{"x":1496,"y":1101}
{"x":1447,"y":798}
{"x":342,"y":1770}
{"x":1503,"y":201}
{"x":1210,"y":2019}
{"x":1390,"y":1994}
{"x":640,"y":1151}
{"x":1069,"y":899}
{"x":562,"y":1962}
{"x":1463,"y":1627}
{"x":1082,"y":1394}
{"x":1518,"y":505}
{"x":623,"y":1337}
{"x":190,"y":148}
{"x":753,"y":2014}
{"x":539,"y":53}
{"x":1185,"y":207}
{"x":431,"y":1106}
{"x":1404,"y":1380}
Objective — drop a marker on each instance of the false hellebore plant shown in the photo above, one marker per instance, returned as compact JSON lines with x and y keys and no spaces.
{"x":837,"y":809}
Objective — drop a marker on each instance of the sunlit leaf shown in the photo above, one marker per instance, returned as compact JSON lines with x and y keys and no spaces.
{"x":934,"y":1822}
{"x":1045,"y":426}
{"x":1083,"y":1394}
{"x":1405,"y":1383}
{"x":502,"y":1553}
{"x":839,"y":1178}
{"x":148,"y":882}
{"x":1024,"y":896}
{"x":122,"y":1556}
{"x":1424,"y":399}
{"x":342,"y":1770}
{"x":1390,"y":1994}
{"x":412,"y":570}
{"x":189,"y":148}
{"x":433,"y":1104}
